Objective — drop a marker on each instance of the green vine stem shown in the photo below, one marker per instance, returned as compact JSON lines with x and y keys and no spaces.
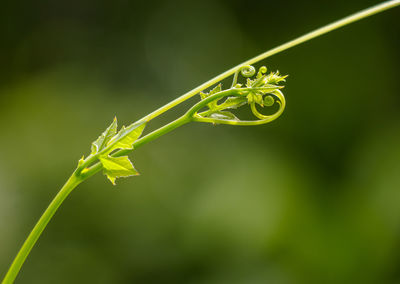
{"x":110,"y":149}
{"x":71,"y":183}
{"x":311,"y":35}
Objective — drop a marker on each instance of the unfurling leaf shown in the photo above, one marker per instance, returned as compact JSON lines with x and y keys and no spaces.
{"x":275,"y":78}
{"x":125,"y":137}
{"x":103,"y":139}
{"x":115,"y":167}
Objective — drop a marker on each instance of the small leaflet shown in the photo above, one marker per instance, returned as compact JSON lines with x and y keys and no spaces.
{"x":103,"y":139}
{"x":115,"y":167}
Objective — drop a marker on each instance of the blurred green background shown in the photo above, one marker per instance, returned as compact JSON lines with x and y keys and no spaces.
{"x":313,"y":197}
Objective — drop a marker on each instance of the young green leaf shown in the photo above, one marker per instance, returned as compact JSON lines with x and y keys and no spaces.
{"x":115,"y":167}
{"x":125,"y":137}
{"x":275,"y":78}
{"x":103,"y":139}
{"x":249,"y":82}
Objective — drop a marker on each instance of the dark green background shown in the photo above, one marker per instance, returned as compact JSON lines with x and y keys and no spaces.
{"x":313,"y":197}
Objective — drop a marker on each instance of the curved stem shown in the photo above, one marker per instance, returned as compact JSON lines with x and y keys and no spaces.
{"x":12,"y":273}
{"x":77,"y":178}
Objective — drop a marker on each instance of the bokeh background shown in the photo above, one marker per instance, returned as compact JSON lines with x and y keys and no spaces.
{"x":313,"y":197}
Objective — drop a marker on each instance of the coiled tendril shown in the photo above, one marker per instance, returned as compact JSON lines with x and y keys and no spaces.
{"x":263,"y":90}
{"x":246,"y":71}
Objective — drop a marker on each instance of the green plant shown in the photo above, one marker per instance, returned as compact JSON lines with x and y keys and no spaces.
{"x":109,"y":151}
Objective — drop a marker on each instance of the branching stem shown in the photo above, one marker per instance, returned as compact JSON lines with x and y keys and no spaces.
{"x":311,"y":35}
{"x":80,"y":175}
